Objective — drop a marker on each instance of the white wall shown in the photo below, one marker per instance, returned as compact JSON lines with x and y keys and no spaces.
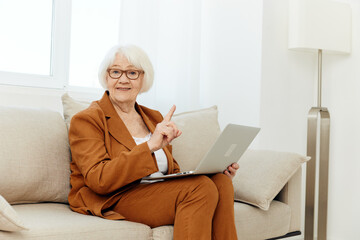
{"x":288,"y":92}
{"x":231,"y":59}
{"x":343,"y":100}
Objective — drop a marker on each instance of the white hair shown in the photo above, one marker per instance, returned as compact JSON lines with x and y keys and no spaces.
{"x":136,"y":56}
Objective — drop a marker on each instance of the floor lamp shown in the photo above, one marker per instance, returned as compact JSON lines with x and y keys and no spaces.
{"x":318,"y":25}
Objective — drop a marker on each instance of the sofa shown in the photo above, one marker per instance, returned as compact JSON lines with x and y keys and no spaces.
{"x":34,"y":180}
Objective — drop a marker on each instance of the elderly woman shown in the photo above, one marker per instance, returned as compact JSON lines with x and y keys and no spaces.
{"x":116,"y":142}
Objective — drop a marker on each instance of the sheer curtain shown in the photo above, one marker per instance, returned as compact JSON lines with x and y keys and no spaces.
{"x":170,"y":32}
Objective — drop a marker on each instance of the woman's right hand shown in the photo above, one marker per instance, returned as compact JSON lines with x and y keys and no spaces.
{"x":164,"y":133}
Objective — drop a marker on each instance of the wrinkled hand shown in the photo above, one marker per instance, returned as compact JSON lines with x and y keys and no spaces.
{"x":231,"y":170}
{"x":164,"y":133}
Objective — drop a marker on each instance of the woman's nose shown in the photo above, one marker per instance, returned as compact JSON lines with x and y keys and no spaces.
{"x":124,"y":79}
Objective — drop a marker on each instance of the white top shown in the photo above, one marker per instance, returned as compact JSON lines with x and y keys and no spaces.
{"x":161,"y":160}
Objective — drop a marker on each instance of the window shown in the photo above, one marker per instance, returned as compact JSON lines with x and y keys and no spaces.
{"x":60,"y":43}
{"x":34,"y":42}
{"x":26,"y":42}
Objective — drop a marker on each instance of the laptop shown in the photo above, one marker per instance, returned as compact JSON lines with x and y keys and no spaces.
{"x":227,"y":149}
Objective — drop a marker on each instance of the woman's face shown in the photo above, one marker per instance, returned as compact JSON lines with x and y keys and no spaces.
{"x":123,"y":90}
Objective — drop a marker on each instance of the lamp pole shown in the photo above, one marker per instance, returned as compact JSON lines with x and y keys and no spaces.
{"x":319,"y":77}
{"x":318,"y":150}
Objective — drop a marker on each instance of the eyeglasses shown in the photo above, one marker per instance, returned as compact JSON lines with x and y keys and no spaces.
{"x":130,"y":74}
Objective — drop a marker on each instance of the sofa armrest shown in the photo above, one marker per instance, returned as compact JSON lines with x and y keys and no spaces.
{"x":291,"y":195}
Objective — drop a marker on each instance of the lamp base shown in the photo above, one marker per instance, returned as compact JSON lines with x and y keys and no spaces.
{"x":312,"y":148}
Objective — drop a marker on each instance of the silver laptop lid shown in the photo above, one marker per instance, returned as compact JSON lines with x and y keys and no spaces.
{"x":227,"y":149}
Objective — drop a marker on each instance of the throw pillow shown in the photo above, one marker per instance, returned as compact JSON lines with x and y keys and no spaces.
{"x":200,"y":130}
{"x":9,"y":220}
{"x":262,"y":174}
{"x":34,"y":156}
{"x":71,"y":107}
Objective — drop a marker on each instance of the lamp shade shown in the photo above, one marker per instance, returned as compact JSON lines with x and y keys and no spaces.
{"x":319,"y":24}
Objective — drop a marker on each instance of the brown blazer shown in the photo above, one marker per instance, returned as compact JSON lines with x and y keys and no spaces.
{"x":106,"y":160}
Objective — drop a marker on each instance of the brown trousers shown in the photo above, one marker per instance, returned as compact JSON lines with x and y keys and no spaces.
{"x":200,"y":207}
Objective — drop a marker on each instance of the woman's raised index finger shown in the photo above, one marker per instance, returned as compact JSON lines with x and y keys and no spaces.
{"x":170,"y":113}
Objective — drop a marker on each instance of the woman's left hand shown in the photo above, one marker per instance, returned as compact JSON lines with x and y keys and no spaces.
{"x":231,"y":170}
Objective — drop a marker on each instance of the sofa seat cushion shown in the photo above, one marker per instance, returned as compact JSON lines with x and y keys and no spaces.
{"x":253,"y":223}
{"x":163,"y":232}
{"x":56,"y":221}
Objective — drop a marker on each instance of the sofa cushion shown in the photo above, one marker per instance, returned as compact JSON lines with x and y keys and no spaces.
{"x":34,"y":156}
{"x":262,"y":174}
{"x":54,"y":221}
{"x":71,"y":107}
{"x":163,"y":232}
{"x":253,"y":223}
{"x":9,"y":219}
{"x":200,"y":130}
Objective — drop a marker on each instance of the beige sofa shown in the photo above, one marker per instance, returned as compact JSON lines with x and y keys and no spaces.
{"x":34,"y":179}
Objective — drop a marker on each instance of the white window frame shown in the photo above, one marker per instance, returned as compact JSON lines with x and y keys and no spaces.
{"x":60,"y":52}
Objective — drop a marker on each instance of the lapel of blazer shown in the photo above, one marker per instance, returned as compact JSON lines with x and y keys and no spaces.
{"x":150,"y":125}
{"x":116,"y":126}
